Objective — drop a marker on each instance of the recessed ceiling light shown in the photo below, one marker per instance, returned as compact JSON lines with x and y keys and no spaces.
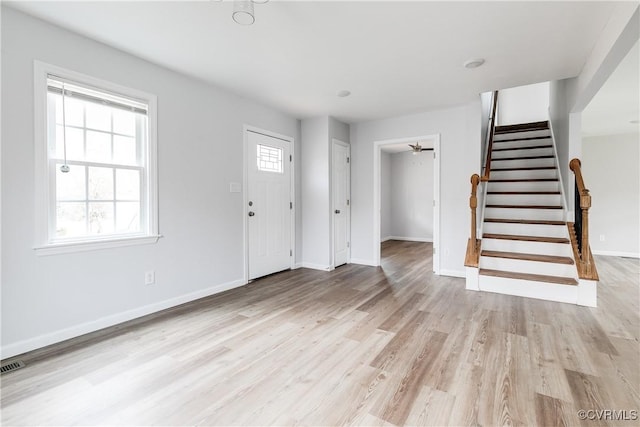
{"x":634,"y":122}
{"x":474,"y":63}
{"x":344,"y":93}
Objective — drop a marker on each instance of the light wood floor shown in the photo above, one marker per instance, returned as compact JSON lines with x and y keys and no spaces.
{"x":360,"y":345}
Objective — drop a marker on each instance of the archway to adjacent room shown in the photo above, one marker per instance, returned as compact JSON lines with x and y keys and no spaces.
{"x":430,"y":144}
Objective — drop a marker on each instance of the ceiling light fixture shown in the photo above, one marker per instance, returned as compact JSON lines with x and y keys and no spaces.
{"x":243,"y":11}
{"x":344,"y":93}
{"x":474,"y":63}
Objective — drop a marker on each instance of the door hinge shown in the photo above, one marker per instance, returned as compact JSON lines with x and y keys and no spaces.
{"x":347,"y":160}
{"x":290,"y":158}
{"x":290,"y":252}
{"x":434,"y":154}
{"x":290,"y":205}
{"x":347,"y":202}
{"x":348,"y":244}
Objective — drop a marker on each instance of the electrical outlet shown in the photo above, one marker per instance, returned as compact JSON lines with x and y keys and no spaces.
{"x":150,"y":277}
{"x":602,"y":237}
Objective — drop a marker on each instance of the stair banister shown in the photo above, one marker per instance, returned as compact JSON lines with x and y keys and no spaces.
{"x":473,"y":253}
{"x":586,"y":269}
{"x":489,"y":140}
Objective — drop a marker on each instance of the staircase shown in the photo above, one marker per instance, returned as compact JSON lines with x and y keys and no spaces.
{"x":525,"y":248}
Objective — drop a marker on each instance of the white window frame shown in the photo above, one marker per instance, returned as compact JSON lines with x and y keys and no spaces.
{"x":43,"y":192}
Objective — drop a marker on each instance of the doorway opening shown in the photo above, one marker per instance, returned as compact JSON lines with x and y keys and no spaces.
{"x":407,"y":197}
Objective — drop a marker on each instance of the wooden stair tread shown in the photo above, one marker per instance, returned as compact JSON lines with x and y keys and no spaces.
{"x":527,"y":276}
{"x":533,"y":147}
{"x":550,"y":156}
{"x":524,"y":192}
{"x":536,"y":168}
{"x":525,"y":206}
{"x":528,"y":257}
{"x":531,"y":138}
{"x":525,"y":238}
{"x":525,"y":180}
{"x":522,"y":127}
{"x":525,"y":221}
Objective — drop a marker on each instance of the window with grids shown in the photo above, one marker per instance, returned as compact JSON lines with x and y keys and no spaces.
{"x":103,"y":139}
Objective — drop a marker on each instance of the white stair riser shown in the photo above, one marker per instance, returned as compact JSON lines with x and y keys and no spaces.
{"x":529,"y":152}
{"x":525,"y":143}
{"x":524,"y":199}
{"x":531,"y":267}
{"x":524,"y":186}
{"x":540,"y":248}
{"x":527,"y":288}
{"x":540,"y":230}
{"x":520,"y":213}
{"x":528,"y":134}
{"x":524,"y":174}
{"x":526,"y":163}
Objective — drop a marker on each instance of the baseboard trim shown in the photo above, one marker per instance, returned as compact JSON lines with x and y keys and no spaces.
{"x":410,"y":239}
{"x":313,"y":266}
{"x":384,"y":239}
{"x":616,"y":253}
{"x":363,"y":262}
{"x":112,"y":320}
{"x":453,"y":273}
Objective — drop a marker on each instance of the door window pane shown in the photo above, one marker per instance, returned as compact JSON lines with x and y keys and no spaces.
{"x":269,"y":158}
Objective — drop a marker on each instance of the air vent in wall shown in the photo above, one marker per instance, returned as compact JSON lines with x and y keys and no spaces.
{"x":13,"y":366}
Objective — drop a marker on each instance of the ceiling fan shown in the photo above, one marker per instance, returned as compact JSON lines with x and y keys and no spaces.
{"x":417,"y":148}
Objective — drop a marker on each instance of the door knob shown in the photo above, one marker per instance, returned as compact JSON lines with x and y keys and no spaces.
{"x":337,"y":211}
{"x":251,"y":213}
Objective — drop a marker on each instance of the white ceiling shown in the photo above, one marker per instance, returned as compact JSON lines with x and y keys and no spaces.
{"x":617,"y":102}
{"x":395,"y":57}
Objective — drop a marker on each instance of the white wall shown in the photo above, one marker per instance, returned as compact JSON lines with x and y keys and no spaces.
{"x":316,"y":206}
{"x":317,"y":134}
{"x":566,"y":130}
{"x":385,"y":196}
{"x":200,"y":149}
{"x":411,"y":196}
{"x":460,"y":150}
{"x":523,"y":104}
{"x":612,"y":175}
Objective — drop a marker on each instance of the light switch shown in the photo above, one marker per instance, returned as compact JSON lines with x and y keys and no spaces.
{"x":235,"y":187}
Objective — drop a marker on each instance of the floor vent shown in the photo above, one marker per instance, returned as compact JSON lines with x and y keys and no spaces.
{"x":13,"y":366}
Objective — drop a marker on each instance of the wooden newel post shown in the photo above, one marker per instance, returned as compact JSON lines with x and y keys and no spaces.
{"x":473,"y":204}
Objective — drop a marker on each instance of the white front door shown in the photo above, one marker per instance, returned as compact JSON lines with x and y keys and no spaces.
{"x":340,"y":176}
{"x":269,"y":204}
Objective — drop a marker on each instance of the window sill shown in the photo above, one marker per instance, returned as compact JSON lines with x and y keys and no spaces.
{"x":70,"y":247}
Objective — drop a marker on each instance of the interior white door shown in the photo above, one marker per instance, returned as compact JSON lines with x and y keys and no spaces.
{"x":340,"y":177}
{"x":269,"y":204}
